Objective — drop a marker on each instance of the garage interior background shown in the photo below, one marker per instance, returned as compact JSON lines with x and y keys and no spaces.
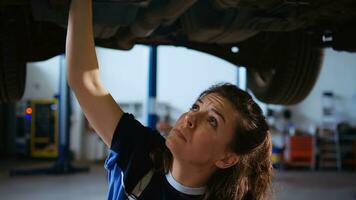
{"x":181,"y":77}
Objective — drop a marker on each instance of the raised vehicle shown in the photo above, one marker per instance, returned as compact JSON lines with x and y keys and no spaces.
{"x":280,"y":42}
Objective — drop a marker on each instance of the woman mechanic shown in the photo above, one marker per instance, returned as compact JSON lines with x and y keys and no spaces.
{"x":218,"y":150}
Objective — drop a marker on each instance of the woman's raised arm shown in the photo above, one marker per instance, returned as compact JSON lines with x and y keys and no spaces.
{"x":99,"y":107}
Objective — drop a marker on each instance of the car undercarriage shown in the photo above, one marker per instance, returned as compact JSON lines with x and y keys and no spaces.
{"x":280,"y":42}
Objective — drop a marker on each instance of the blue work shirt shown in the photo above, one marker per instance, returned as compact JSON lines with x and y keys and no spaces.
{"x":115,"y":177}
{"x":129,"y":161}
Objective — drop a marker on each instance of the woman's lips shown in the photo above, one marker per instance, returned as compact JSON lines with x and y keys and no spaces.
{"x":179,"y":134}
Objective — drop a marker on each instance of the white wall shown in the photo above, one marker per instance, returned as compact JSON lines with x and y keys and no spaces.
{"x":338,"y":74}
{"x":42,"y":79}
{"x":124,"y":73}
{"x":183,"y":74}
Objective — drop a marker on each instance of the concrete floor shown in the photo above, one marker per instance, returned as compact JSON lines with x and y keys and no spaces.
{"x":291,"y":185}
{"x":88,"y":186}
{"x":318,"y":185}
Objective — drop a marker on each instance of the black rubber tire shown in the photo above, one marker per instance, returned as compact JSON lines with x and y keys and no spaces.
{"x":12,"y":81}
{"x":286,"y":70}
{"x":12,"y":55}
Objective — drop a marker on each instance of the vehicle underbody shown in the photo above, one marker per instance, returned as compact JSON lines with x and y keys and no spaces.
{"x":280,"y":42}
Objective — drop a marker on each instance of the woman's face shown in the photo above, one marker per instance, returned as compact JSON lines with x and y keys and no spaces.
{"x":203,"y":135}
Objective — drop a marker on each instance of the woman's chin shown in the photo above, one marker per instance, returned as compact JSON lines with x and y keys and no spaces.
{"x":171,"y":145}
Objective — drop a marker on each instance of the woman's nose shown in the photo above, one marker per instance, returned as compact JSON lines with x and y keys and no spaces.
{"x":190,"y":120}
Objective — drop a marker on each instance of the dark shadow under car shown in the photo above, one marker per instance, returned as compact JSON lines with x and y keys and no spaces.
{"x":280,"y":42}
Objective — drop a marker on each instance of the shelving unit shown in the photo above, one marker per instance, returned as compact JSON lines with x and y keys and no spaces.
{"x":329,"y":149}
{"x":328,"y":137}
{"x":347,"y":146}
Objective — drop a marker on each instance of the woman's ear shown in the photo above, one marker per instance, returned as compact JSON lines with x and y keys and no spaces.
{"x":230,"y":159}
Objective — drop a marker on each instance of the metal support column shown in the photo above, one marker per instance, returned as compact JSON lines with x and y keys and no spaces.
{"x":152,"y":88}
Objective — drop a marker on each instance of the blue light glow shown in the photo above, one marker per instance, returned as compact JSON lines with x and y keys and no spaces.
{"x":28,"y":117}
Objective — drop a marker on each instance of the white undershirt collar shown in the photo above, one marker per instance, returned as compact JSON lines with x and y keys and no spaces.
{"x":184,"y":189}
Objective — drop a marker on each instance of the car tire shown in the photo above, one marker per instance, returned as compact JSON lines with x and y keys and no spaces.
{"x":12,"y":56}
{"x":12,"y":80}
{"x":288,"y":69}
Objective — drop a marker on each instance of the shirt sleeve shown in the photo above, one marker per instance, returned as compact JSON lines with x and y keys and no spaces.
{"x":133,"y":143}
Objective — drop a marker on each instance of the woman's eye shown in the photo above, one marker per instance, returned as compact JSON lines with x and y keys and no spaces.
{"x":194,"y":107}
{"x":213,"y":122}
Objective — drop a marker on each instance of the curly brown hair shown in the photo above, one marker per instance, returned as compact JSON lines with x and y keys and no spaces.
{"x":251,"y":177}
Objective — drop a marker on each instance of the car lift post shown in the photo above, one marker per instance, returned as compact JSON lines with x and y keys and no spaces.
{"x":62,"y":165}
{"x":241,"y":78}
{"x":152,"y":88}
